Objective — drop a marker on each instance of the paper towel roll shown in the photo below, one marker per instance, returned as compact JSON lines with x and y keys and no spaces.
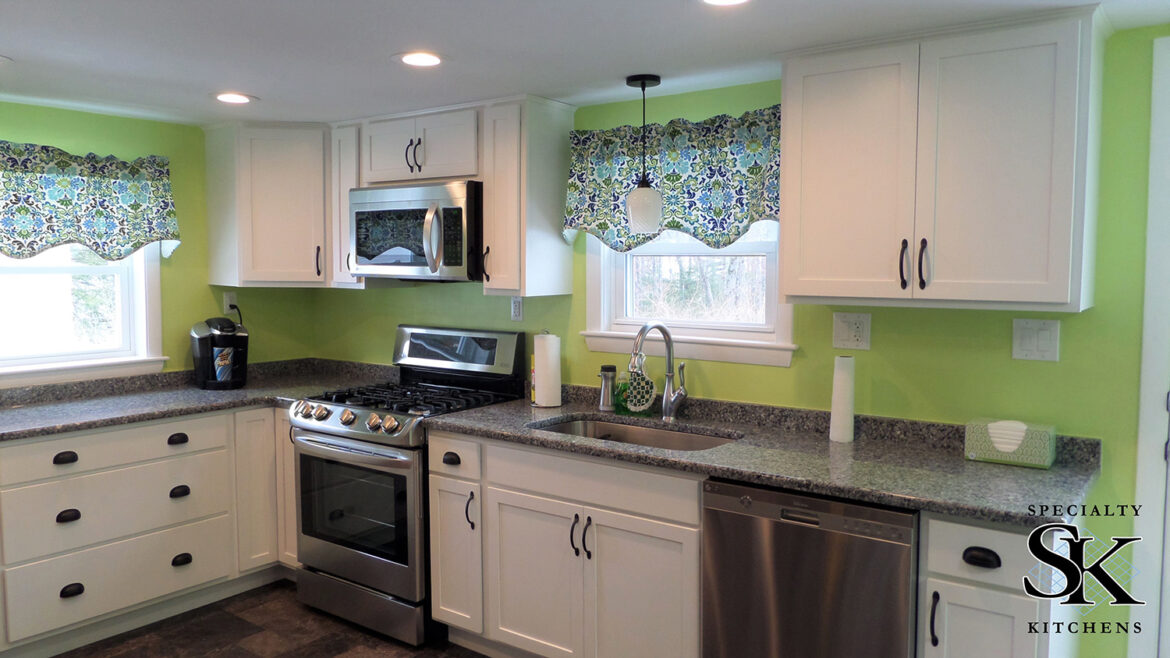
{"x":841,"y":420}
{"x":546,"y":370}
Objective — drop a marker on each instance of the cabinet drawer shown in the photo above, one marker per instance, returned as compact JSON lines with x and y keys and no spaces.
{"x":947,"y":541}
{"x":97,"y":450}
{"x":115,"y":576}
{"x":637,"y":491}
{"x":440,"y":444}
{"x":111,"y":504}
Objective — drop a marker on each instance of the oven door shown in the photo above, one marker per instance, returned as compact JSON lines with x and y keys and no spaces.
{"x":360,"y":511}
{"x":410,"y":232}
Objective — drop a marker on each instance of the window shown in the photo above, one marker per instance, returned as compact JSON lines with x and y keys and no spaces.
{"x":71,"y":315}
{"x":720,"y":304}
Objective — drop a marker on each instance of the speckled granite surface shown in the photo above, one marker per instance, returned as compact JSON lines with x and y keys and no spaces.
{"x":903,"y":464}
{"x":52,"y":409}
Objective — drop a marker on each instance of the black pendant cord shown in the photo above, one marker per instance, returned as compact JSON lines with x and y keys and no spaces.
{"x":644,"y":180}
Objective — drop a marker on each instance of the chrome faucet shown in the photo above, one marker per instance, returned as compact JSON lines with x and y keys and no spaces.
{"x":671,"y":399}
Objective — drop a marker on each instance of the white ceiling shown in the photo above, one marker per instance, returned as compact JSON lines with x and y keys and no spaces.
{"x":317,"y":60}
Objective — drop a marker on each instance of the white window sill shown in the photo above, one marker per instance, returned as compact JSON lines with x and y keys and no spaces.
{"x":75,"y":371}
{"x":694,"y":347}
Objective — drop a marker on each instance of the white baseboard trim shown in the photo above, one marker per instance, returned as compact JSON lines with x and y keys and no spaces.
{"x":478,"y":643}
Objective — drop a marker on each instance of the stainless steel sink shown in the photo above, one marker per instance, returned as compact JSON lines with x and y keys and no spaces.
{"x":643,"y":436}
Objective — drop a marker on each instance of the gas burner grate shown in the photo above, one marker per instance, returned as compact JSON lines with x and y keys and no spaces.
{"x":416,"y":400}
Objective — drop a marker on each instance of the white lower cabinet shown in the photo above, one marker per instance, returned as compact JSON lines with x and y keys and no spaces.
{"x":456,"y":540}
{"x":286,"y":491}
{"x":255,"y":488}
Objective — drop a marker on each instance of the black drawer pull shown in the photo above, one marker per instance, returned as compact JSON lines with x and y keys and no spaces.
{"x":182,"y":559}
{"x":68,"y":515}
{"x":66,"y":457}
{"x":984,"y":558}
{"x":71,"y":590}
{"x":177,"y":439}
{"x":451,"y":459}
{"x":180,"y":491}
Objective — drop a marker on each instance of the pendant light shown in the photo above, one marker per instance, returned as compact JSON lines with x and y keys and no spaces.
{"x":644,"y":204}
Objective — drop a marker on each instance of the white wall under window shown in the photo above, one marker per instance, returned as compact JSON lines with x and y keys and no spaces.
{"x":720,"y":304}
{"x":70,"y":316}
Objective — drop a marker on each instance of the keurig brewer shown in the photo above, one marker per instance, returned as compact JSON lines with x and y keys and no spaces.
{"x":220,"y":349}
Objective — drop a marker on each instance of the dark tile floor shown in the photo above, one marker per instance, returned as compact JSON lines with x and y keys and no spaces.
{"x":263,"y":622}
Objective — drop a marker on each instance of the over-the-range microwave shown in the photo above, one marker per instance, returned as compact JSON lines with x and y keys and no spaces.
{"x":430,"y":232}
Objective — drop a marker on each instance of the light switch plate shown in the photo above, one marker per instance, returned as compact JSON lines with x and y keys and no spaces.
{"x":851,"y":331}
{"x":517,"y":309}
{"x":1036,"y":340}
{"x":229,"y":298}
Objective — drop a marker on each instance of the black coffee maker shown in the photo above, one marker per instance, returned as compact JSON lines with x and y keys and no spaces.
{"x":220,"y":349}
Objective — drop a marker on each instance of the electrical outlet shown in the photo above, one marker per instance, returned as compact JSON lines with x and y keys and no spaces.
{"x":517,"y":309}
{"x":229,"y":298}
{"x":851,"y":331}
{"x":1036,"y":340}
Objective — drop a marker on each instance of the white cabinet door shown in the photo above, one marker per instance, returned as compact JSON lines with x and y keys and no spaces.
{"x":281,"y":201}
{"x":286,"y":491}
{"x":456,"y":553}
{"x":449,"y":144}
{"x":641,"y":587}
{"x":849,"y":133}
{"x":386,"y":151}
{"x":534,"y":575}
{"x":975,"y":622}
{"x":502,"y":226}
{"x":343,"y":178}
{"x":997,"y":139}
{"x":255,"y":488}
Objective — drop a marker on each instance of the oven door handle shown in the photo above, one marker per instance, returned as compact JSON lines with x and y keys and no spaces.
{"x":430,"y":245}
{"x":352,"y":454}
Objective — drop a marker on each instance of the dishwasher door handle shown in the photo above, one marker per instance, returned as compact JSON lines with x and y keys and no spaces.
{"x":800,"y":517}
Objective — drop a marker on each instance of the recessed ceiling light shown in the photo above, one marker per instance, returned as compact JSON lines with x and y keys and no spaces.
{"x":724,"y":3}
{"x":420,"y":58}
{"x":234,"y":98}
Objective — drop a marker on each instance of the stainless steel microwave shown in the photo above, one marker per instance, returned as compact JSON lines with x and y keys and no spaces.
{"x":427,"y":232}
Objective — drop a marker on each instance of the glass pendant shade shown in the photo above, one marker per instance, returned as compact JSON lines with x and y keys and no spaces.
{"x":644,"y":208}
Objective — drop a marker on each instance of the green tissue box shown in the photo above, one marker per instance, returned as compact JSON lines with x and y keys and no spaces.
{"x":1010,"y":442}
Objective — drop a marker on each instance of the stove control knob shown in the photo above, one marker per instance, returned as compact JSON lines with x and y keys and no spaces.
{"x":373,"y":422}
{"x":390,"y":424}
{"x":347,"y":417}
{"x":321,"y":412}
{"x":296,"y":408}
{"x":307,"y":410}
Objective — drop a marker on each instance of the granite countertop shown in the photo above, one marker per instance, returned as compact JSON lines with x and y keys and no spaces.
{"x":917,"y":466}
{"x":44,"y":410}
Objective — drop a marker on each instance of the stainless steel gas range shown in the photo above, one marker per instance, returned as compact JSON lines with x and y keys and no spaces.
{"x":361,"y":474}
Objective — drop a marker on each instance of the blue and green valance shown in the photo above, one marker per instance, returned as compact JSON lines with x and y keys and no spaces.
{"x":49,"y":198}
{"x":717,"y":177}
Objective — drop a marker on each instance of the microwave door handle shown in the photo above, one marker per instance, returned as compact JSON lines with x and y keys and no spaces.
{"x":428,"y":243}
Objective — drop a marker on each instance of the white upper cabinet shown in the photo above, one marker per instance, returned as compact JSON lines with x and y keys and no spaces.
{"x":995,"y":205}
{"x":441,"y":145}
{"x":525,"y":172}
{"x":343,"y":161}
{"x":266,"y":205}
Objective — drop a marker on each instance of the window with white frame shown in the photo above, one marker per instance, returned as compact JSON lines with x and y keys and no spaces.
{"x":72,"y":315}
{"x":720,"y":304}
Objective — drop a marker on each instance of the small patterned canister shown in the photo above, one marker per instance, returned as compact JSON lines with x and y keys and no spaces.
{"x":1010,"y":442}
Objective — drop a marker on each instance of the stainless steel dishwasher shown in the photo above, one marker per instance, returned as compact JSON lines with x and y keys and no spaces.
{"x":794,"y":576}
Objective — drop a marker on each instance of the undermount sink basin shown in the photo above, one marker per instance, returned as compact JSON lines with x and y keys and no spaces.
{"x":643,"y":436}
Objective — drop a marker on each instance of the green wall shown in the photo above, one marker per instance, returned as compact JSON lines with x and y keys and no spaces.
{"x":186,"y":297}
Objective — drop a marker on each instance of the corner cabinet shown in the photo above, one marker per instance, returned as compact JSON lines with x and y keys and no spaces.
{"x":266,"y":205}
{"x":439,"y":145}
{"x":956,"y":171}
{"x":525,"y":171}
{"x":343,"y":176}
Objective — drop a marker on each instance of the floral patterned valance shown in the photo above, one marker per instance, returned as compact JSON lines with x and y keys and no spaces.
{"x":49,"y":197}
{"x":716,"y":176}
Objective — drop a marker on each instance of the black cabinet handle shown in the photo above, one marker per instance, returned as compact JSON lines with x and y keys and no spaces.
{"x":180,"y":491}
{"x":933,"y":612}
{"x":317,"y":260}
{"x":921,"y":253}
{"x":68,"y":515}
{"x":66,"y":457}
{"x":984,"y":558}
{"x":467,"y":509}
{"x":902,"y":264}
{"x":349,"y":261}
{"x":182,"y":559}
{"x":486,"y":250}
{"x":414,"y":153}
{"x":451,"y":458}
{"x":71,"y":590}
{"x":177,"y":439}
{"x":584,"y":533}
{"x":573,"y":529}
{"x":406,"y":154}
